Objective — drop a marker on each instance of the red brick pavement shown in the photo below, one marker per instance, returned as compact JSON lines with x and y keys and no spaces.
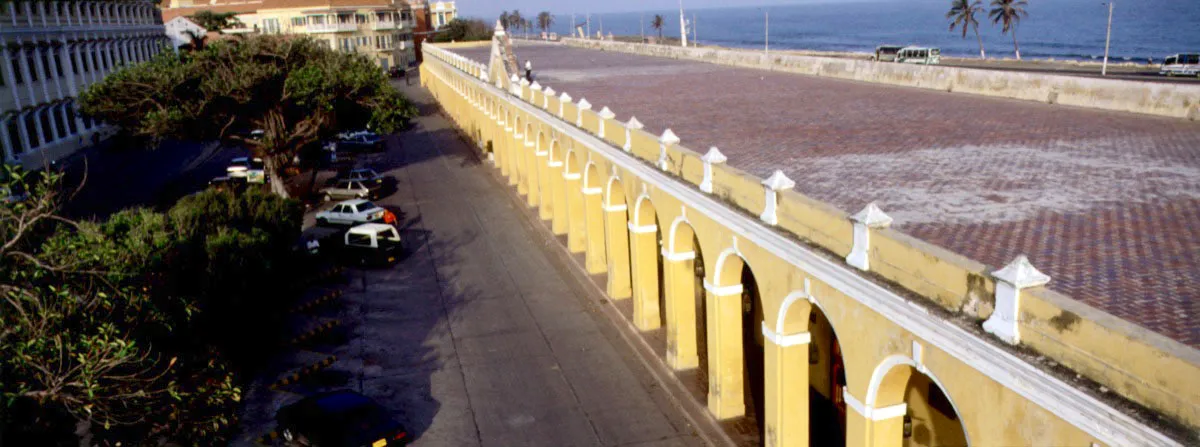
{"x":1106,"y":203}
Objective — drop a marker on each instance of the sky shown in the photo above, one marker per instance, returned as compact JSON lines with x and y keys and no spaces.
{"x":491,"y":8}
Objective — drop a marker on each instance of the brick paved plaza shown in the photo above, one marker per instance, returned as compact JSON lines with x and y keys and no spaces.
{"x":1106,"y":203}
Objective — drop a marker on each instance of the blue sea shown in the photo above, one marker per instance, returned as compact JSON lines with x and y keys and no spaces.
{"x":1059,"y":29}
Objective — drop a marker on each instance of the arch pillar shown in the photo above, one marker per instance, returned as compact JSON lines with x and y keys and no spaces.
{"x":532,"y":184}
{"x":546,"y":182}
{"x":873,"y":427}
{"x":558,"y":189}
{"x":518,"y":158}
{"x":726,"y":394}
{"x":616,"y":219}
{"x":642,"y":240}
{"x":680,"y":287}
{"x":595,"y":260}
{"x":786,"y":381}
{"x":576,"y":217}
{"x":505,"y":152}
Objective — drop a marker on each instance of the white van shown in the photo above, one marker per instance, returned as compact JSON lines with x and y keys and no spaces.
{"x":1187,"y":64}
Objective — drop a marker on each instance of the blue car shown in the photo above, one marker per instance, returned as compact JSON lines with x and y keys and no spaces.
{"x":341,"y":418}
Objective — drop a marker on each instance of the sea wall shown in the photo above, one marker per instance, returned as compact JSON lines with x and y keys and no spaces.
{"x":1152,"y":98}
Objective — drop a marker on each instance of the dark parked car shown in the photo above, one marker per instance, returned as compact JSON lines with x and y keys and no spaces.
{"x":340,"y":418}
{"x":361,"y":141}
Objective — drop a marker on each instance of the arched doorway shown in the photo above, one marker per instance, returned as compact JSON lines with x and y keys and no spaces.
{"x":929,"y":416}
{"x":735,"y":345}
{"x":752,"y":351}
{"x":616,"y":222}
{"x":593,"y":189}
{"x":827,"y":379}
{"x":643,"y":246}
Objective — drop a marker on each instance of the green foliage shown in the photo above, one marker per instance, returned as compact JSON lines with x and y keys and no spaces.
{"x":137,"y":325}
{"x":215,"y":21}
{"x":463,"y":30}
{"x":295,"y":89}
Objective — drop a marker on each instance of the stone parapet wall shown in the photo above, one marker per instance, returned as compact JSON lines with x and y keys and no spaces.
{"x":1162,"y":99}
{"x":1122,"y":358}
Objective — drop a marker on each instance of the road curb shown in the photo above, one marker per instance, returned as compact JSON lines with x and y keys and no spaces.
{"x":304,"y":307}
{"x":309,"y":370}
{"x":314,"y":332}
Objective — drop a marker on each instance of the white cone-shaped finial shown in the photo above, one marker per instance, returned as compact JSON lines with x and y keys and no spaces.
{"x":713,"y":156}
{"x":872,"y":217}
{"x":778,"y":181}
{"x":607,"y":114}
{"x":1021,"y":274}
{"x":584,"y":104}
{"x":634,"y":123}
{"x":668,"y":137}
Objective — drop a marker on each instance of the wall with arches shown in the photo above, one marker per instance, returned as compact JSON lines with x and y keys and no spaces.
{"x":908,"y":370}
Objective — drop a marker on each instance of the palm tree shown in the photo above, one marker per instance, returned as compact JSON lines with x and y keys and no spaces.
{"x":963,"y":13}
{"x":504,"y":19}
{"x":514,"y":19}
{"x":657,"y":24}
{"x":544,"y":20}
{"x":1010,"y":12}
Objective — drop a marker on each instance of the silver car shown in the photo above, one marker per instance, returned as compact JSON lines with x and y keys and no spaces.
{"x":347,"y":189}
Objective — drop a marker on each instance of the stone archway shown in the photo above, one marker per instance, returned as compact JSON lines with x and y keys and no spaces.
{"x":907,"y":406}
{"x":595,"y":261}
{"x":616,"y":221}
{"x":735,"y":340}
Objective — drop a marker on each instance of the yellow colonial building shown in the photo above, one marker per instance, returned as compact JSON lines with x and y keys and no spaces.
{"x":820,"y":327}
{"x":379,"y":29}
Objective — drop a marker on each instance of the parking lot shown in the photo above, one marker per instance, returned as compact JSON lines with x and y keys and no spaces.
{"x":477,"y":336}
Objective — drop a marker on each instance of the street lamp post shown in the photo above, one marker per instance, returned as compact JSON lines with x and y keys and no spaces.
{"x":1107,"y":40}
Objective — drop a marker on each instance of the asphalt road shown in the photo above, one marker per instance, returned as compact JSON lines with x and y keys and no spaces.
{"x":477,"y":337}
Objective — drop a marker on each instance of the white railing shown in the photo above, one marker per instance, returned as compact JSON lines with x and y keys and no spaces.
{"x":332,"y":27}
{"x":389,"y":25}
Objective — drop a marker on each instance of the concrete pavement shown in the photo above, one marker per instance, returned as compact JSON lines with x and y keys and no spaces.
{"x":477,"y":337}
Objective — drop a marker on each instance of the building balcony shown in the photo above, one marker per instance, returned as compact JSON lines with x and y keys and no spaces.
{"x":332,"y":28}
{"x":384,"y":26}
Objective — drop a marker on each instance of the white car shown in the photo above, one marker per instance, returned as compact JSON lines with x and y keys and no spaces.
{"x":351,"y":212}
{"x":347,"y":189}
{"x":373,"y":243}
{"x":251,"y":169}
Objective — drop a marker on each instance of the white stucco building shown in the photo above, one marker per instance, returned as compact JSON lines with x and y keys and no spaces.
{"x":50,"y":51}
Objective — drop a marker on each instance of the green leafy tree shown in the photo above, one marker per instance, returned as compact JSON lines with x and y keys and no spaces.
{"x":215,"y":21}
{"x":463,"y":30}
{"x":1009,"y":13}
{"x":515,"y":19}
{"x":297,"y":90}
{"x":132,"y":330}
{"x":504,"y":19}
{"x":962,"y":13}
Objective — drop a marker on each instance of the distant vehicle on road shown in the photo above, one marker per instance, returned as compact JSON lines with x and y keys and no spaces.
{"x":341,"y":418}
{"x":352,"y":212}
{"x":886,"y":53}
{"x":348,"y":189}
{"x":251,"y":169}
{"x":1181,"y":65}
{"x":373,"y":244}
{"x":919,"y":55}
{"x":362,"y":141}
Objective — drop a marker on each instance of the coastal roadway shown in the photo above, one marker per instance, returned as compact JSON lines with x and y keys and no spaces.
{"x":1104,"y":202}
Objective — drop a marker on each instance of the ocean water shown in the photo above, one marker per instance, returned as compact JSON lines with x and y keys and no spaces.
{"x":1059,"y":29}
